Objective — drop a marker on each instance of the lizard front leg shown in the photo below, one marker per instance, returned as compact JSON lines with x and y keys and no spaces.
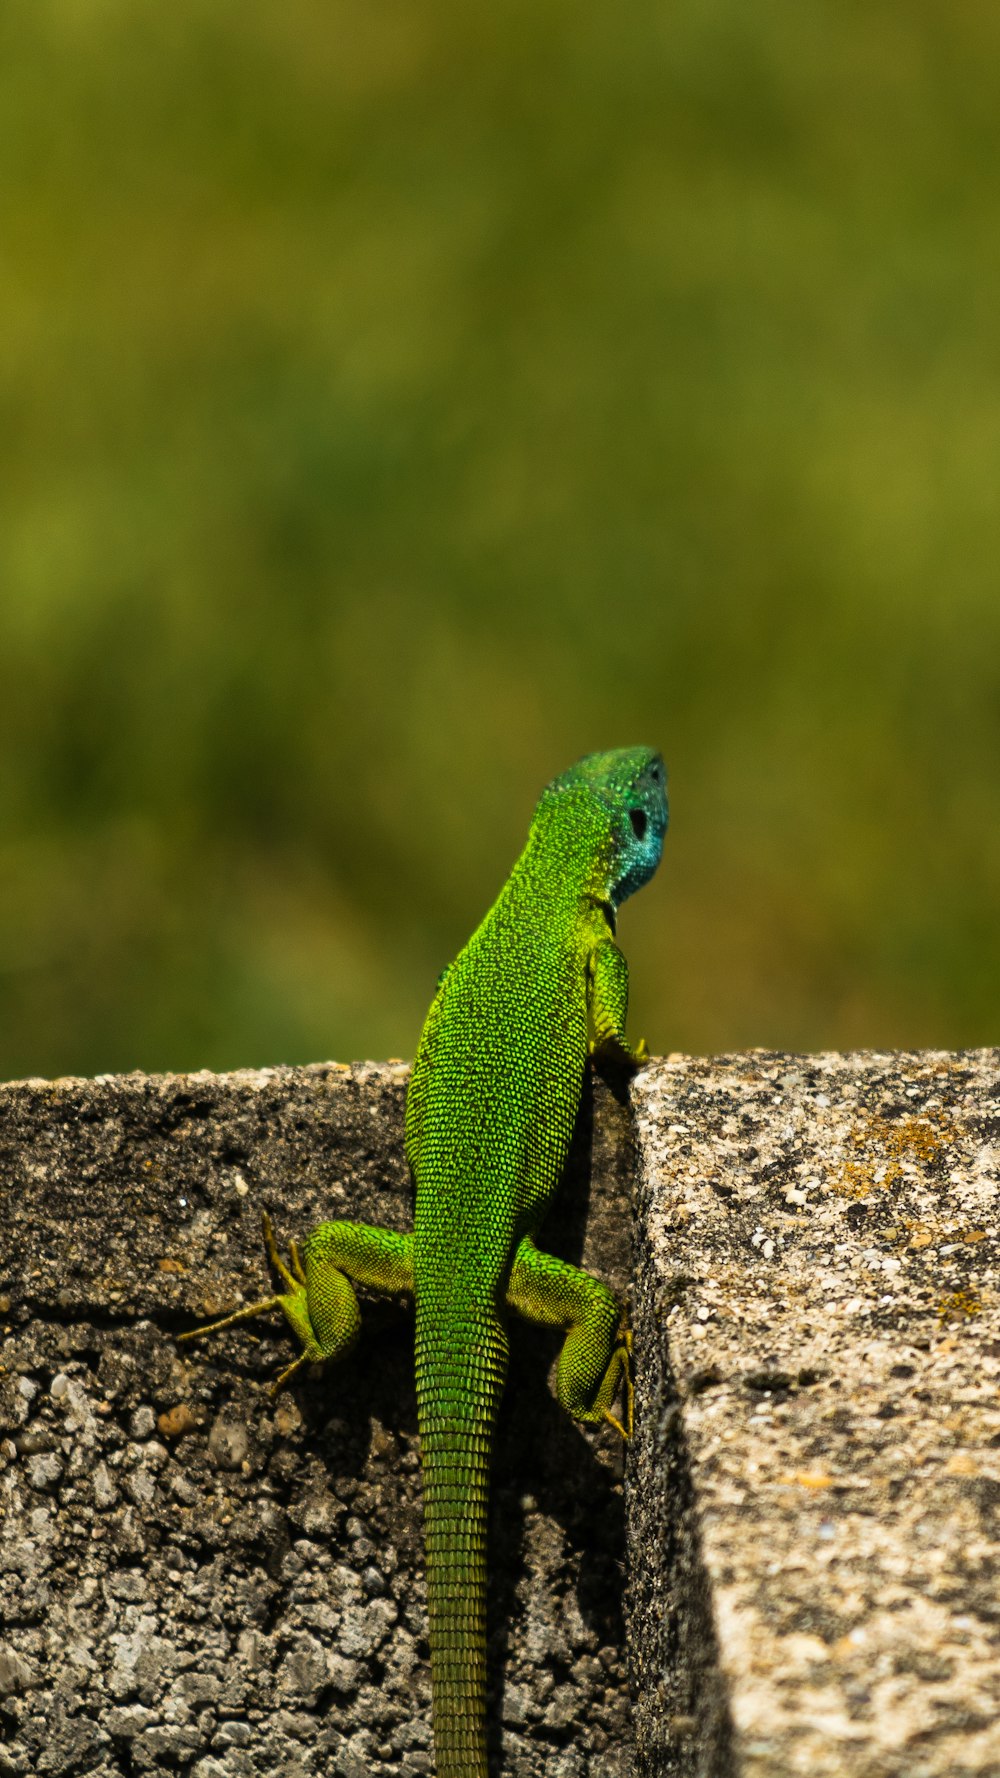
{"x":320,"y":1304}
{"x":595,"y":1360}
{"x":607,"y":1006}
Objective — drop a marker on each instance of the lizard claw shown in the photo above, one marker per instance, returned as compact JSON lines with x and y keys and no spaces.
{"x":623,"y":1352}
{"x":616,"y":1053}
{"x":292,"y":1303}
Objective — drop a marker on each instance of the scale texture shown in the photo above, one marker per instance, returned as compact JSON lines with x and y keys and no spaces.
{"x":492,"y":1102}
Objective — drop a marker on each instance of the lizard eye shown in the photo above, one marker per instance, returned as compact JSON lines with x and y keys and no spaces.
{"x":638,"y":820}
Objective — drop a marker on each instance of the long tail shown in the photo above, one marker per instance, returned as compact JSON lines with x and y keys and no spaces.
{"x":461,"y":1361}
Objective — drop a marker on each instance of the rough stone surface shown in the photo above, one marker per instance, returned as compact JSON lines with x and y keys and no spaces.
{"x":815,"y":1484}
{"x":196,"y":1579}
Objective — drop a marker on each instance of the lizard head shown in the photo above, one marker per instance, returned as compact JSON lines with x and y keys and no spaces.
{"x":626,"y":790}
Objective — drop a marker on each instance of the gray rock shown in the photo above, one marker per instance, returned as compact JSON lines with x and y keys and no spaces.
{"x":302,"y":1673}
{"x":126,"y":1724}
{"x":16,"y":1674}
{"x":816,"y":1472}
{"x":355,"y":1757}
{"x":228,"y":1442}
{"x":208,"y":1564}
{"x":105,"y":1492}
{"x":43,"y":1471}
{"x":364,"y":1629}
{"x":564,"y":1708}
{"x":233,"y":1734}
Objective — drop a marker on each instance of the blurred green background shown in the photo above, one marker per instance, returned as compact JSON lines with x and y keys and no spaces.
{"x":399,"y":399}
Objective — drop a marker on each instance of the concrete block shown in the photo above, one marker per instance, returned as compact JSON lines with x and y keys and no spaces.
{"x":195,"y":1577}
{"x":815,"y":1484}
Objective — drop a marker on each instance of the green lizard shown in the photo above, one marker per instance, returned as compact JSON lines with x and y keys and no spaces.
{"x":489,"y":1114}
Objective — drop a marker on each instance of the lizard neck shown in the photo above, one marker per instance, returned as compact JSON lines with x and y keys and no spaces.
{"x":568,"y":853}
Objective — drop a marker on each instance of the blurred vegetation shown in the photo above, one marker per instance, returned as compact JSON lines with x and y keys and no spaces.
{"x":399,"y":399}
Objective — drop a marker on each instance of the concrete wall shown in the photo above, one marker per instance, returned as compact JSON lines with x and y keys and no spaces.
{"x":196,"y":1578}
{"x":815,"y":1483}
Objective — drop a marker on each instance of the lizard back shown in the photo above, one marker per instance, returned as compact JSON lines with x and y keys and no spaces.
{"x":490,"y":1112}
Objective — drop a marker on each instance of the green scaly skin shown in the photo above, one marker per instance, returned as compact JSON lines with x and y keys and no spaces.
{"x":489,"y":1115}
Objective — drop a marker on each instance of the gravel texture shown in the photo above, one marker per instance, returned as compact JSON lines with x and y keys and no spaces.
{"x":197,"y":1579}
{"x":815,"y":1484}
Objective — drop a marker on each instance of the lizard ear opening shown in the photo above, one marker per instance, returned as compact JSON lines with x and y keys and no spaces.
{"x":638,"y":820}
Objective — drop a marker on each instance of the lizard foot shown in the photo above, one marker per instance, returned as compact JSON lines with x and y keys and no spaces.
{"x":624,"y":1355}
{"x":293,"y":1304}
{"x":615,"y":1055}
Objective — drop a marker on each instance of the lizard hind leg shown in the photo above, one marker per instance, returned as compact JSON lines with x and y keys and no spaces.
{"x":320,"y":1304}
{"x":595,"y":1362}
{"x":293,"y":1303}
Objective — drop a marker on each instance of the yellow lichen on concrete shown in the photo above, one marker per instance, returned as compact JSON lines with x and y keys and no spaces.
{"x":888,"y":1146}
{"x":960,"y":1305}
